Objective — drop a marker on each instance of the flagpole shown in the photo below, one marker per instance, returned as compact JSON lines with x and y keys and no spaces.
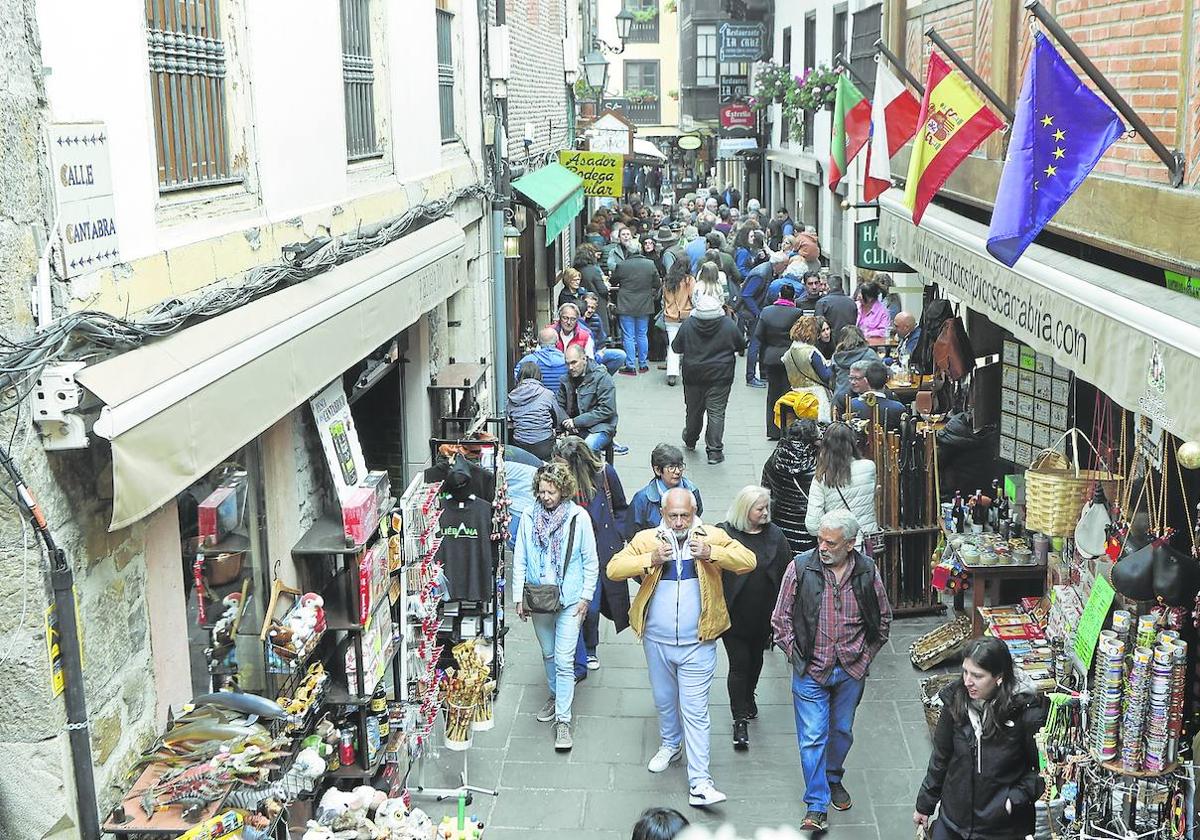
{"x":1173,"y":160}
{"x":838,"y":61}
{"x":895,"y":61}
{"x":970,"y":73}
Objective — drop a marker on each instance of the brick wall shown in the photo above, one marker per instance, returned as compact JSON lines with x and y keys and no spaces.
{"x":1136,"y":44}
{"x":536,"y":87}
{"x":956,"y":23}
{"x":1193,"y":111}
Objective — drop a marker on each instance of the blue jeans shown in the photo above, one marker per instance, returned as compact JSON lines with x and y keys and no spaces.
{"x":557,"y":633}
{"x":824,"y":724}
{"x":753,"y":350}
{"x":611,"y":358}
{"x":590,"y":624}
{"x":634,"y":329}
{"x":598,"y":440}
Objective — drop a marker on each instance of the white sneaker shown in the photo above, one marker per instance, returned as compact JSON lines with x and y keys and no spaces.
{"x":665,"y":757}
{"x":704,"y":794}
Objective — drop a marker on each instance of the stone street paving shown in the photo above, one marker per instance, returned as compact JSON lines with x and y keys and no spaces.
{"x":597,"y":791}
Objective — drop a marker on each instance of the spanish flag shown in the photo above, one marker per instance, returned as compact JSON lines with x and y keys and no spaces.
{"x":952,"y":123}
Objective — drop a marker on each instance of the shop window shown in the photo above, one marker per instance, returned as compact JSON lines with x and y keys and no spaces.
{"x":225,"y":576}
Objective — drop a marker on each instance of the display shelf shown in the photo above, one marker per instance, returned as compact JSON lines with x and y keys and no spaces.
{"x":338,"y":694}
{"x":326,"y":537}
{"x":1119,"y":768}
{"x":357,"y":771}
{"x":232,"y":544}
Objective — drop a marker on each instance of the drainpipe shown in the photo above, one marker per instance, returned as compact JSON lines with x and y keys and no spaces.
{"x":78,"y":731}
{"x":500,"y":314}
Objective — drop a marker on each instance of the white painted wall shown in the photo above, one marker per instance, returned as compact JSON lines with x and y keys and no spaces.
{"x":97,"y":58}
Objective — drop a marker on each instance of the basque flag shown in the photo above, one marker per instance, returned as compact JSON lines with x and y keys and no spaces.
{"x":1060,"y":132}
{"x":952,"y":123}
{"x":893,"y":123}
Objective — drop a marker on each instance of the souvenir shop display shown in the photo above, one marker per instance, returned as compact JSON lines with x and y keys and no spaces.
{"x":361,"y":665}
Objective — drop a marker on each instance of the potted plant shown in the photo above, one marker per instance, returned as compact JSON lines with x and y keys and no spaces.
{"x":670,"y":6}
{"x":816,"y":89}
{"x":771,"y":84}
{"x":645,"y":15}
{"x":583,"y":90}
{"x":673,"y":94}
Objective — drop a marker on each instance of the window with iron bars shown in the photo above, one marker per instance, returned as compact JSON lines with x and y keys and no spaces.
{"x":358,"y":80}
{"x":187,"y":86}
{"x":445,"y":72}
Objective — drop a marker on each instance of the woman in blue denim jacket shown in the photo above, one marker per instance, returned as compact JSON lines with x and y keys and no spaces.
{"x":550,"y":531}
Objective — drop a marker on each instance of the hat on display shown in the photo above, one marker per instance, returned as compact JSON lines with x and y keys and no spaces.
{"x":708,"y":308}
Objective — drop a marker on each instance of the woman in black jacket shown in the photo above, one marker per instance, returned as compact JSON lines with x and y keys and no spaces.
{"x":773,"y":332}
{"x":984,"y":765}
{"x":585,"y":262}
{"x":750,"y":599}
{"x":788,"y":474}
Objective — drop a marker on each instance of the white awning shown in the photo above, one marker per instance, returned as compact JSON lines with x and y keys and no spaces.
{"x":644,"y":148}
{"x":176,"y":408}
{"x":1137,"y":342}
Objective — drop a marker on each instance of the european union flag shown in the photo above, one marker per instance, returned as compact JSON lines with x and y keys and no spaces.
{"x":1060,"y":131}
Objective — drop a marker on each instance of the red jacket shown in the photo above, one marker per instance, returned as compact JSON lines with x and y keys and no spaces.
{"x":582,"y":338}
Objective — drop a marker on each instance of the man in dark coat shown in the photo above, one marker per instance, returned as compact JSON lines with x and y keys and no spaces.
{"x":836,"y":307}
{"x":750,"y":304}
{"x":589,"y":398}
{"x":709,"y":343}
{"x":639,"y":284}
{"x":773,"y":332}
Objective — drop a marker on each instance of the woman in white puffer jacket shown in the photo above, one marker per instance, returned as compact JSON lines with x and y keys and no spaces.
{"x":843,"y":481}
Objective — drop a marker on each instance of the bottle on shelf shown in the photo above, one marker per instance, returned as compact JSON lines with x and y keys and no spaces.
{"x":979,"y":512}
{"x":958,"y":513}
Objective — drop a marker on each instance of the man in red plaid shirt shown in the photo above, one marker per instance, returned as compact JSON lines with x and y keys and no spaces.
{"x":831,"y":618}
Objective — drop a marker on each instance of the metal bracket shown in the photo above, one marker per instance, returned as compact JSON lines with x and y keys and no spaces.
{"x":55,"y":398}
{"x":894,"y":60}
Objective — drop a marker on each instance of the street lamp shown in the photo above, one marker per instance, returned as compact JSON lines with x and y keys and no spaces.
{"x":512,"y":236}
{"x":595,"y":70}
{"x":624,"y":24}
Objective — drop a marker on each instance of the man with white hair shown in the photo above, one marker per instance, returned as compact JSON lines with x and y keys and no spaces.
{"x":678,"y":613}
{"x":831,"y":619}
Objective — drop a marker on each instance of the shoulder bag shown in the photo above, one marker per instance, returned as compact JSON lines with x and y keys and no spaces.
{"x":547,"y":597}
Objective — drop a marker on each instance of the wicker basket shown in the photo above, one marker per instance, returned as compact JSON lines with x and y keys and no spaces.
{"x":930,"y":688}
{"x":941,"y":643}
{"x":1056,"y":491}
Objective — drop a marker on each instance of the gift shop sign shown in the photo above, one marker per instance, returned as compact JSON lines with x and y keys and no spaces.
{"x":86,"y":227}
{"x":603,"y":174}
{"x":737,"y":116}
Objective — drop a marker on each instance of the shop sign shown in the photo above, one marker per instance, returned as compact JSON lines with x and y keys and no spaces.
{"x":741,"y":41}
{"x":82,"y":176}
{"x":728,"y":147}
{"x":603,"y":174}
{"x":339,"y":438}
{"x":737,"y":115}
{"x":1060,"y":323}
{"x":734,"y":88}
{"x":611,"y":134}
{"x":868,"y":253}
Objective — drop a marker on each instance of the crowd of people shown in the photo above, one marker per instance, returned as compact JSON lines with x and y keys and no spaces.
{"x":790,"y":563}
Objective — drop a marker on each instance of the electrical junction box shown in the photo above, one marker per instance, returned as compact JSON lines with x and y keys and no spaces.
{"x":55,"y":398}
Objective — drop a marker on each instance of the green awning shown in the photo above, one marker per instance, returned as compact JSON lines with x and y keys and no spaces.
{"x":557,"y":192}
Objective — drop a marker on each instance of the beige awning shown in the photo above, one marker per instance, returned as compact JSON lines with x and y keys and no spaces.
{"x":176,"y":408}
{"x":1137,"y":342}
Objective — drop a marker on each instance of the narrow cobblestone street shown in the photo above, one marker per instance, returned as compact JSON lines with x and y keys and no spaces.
{"x":597,"y":791}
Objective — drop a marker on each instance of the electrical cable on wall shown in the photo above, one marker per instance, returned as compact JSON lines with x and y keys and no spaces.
{"x":80,"y":334}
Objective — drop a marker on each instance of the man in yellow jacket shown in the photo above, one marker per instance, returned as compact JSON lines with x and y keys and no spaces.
{"x":678,"y":613}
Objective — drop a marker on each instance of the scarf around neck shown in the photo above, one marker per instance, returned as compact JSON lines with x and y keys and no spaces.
{"x":548,"y":534}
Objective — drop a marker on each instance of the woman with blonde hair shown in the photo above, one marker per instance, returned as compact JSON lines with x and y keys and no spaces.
{"x":556,"y":547}
{"x":710,"y":280}
{"x":750,"y":599}
{"x":807,"y":370}
{"x":571,"y":280}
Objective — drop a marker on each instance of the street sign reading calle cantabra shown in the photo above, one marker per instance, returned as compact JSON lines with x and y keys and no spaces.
{"x":868,"y":253}
{"x":86,"y":228}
